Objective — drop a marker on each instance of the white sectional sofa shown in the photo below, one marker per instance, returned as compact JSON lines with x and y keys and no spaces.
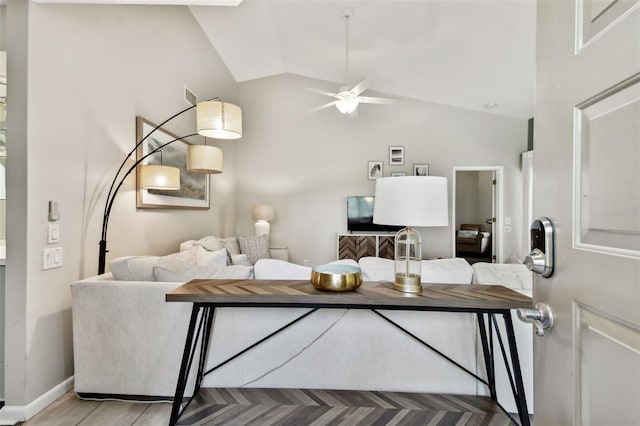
{"x":128,"y":341}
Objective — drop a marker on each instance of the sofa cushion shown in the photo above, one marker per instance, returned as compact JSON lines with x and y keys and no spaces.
{"x":174,"y":270}
{"x":256,"y":247}
{"x":179,"y":266}
{"x":436,"y":271}
{"x":133,"y":268}
{"x":513,"y":276}
{"x":274,"y":269}
{"x":235,"y":272}
{"x":467,"y":234}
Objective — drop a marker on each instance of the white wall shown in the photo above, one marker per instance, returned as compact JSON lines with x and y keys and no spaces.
{"x":91,"y":70}
{"x":306,"y":164}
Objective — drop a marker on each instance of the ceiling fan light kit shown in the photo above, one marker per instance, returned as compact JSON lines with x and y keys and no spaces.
{"x":347,"y":100}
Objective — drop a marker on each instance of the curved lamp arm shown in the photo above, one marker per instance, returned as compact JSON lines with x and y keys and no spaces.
{"x":116,"y":184}
{"x":107,"y":208}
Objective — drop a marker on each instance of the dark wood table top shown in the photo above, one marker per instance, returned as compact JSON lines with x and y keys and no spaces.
{"x":370,"y":295}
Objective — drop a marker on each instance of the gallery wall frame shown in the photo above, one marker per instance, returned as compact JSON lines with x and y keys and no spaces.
{"x":421,"y":170}
{"x":375,"y":170}
{"x":194,"y":187}
{"x":396,"y":155}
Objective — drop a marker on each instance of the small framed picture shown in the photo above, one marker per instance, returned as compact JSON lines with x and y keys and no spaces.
{"x":395,"y":174}
{"x":396,"y":155}
{"x":374,"y":170}
{"x":421,"y":170}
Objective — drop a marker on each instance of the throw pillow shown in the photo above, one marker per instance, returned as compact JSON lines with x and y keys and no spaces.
{"x":187,"y":245}
{"x":211,"y":243}
{"x":231,"y":244}
{"x":255,"y":247}
{"x":206,"y":258}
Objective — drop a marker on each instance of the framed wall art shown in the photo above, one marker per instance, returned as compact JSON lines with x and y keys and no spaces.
{"x":421,"y":170}
{"x":396,"y":174}
{"x":194,"y":187}
{"x":374,"y":170}
{"x":396,"y":155}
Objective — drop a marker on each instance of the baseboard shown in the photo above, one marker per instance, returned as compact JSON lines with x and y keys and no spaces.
{"x":12,"y":414}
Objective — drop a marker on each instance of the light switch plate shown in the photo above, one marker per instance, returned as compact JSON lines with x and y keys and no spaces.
{"x":53,"y":233}
{"x":51,"y":258}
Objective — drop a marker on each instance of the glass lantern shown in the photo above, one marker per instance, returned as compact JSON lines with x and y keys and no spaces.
{"x":408,"y":254}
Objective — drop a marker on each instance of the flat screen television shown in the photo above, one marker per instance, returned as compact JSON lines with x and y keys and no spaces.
{"x":360,"y":215}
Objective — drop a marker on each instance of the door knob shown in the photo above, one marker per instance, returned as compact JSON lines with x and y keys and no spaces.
{"x":541,"y":317}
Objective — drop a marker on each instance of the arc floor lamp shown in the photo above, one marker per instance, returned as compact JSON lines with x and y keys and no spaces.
{"x":214,"y":119}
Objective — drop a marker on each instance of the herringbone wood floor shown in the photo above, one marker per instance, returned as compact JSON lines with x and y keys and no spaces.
{"x":295,"y":407}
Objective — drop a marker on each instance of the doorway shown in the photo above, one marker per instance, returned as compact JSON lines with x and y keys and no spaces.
{"x":477,"y":209}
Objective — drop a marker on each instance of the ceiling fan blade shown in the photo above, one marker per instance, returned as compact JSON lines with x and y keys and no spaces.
{"x":323,"y":106}
{"x":362,"y":85}
{"x":371,"y":100}
{"x":322,"y":92}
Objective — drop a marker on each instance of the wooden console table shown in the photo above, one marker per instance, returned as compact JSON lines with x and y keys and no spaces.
{"x":206,"y":295}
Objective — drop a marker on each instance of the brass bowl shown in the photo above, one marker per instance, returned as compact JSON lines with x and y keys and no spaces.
{"x":336,"y":277}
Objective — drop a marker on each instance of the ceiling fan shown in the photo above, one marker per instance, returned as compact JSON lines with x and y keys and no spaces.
{"x":347,"y":100}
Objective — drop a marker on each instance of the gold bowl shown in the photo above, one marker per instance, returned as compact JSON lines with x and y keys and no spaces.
{"x":336,"y":277}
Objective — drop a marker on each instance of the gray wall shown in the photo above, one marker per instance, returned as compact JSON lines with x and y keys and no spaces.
{"x":306,"y":164}
{"x":91,"y":70}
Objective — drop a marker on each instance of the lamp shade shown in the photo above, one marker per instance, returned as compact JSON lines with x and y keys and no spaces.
{"x":219,"y":120}
{"x":411,"y":201}
{"x":160,"y":177}
{"x":204,"y":159}
{"x":263,"y":212}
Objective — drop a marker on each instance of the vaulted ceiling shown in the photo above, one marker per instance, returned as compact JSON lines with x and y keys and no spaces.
{"x":475,"y":54}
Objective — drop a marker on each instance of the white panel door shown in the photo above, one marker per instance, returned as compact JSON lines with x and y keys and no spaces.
{"x":587,"y":182}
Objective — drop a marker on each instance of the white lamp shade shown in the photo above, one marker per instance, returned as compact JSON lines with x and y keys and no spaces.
{"x":263,"y":212}
{"x":411,"y":201}
{"x":219,"y":120}
{"x":204,"y":159}
{"x":160,"y":177}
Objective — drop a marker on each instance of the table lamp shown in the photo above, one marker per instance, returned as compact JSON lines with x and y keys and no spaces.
{"x":263,"y":213}
{"x":410,"y":201}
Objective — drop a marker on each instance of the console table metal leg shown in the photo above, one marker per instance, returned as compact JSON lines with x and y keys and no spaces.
{"x":207,"y":315}
{"x":488,"y":357}
{"x":519,"y":395}
{"x":189,"y":347}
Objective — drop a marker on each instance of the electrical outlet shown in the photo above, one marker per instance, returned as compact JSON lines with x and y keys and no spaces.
{"x":305,"y":262}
